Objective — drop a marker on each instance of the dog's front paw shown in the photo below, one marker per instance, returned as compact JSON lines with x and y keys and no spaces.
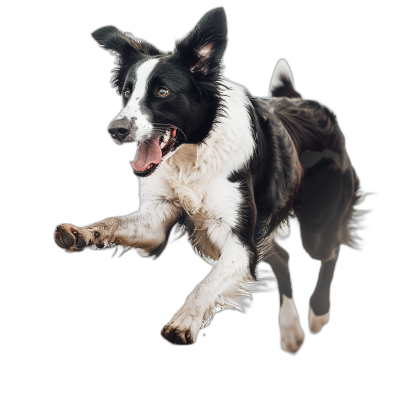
{"x":70,"y":238}
{"x":74,"y":239}
{"x":183,"y":328}
{"x":176,"y":336}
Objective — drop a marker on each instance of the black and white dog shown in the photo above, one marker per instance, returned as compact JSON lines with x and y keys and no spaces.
{"x":228,"y":168}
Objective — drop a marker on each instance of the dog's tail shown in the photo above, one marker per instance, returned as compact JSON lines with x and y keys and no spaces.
{"x":282,"y":83}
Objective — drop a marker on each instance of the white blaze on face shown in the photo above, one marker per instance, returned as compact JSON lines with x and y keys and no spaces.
{"x":132,"y":109}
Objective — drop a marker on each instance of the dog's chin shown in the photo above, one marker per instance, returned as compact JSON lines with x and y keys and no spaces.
{"x":167,"y":142}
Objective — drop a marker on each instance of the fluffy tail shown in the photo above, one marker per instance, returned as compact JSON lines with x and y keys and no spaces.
{"x":282,"y":84}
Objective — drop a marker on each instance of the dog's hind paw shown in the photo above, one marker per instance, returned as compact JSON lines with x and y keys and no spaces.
{"x":317,"y":322}
{"x":292,"y":339}
{"x":292,"y":336}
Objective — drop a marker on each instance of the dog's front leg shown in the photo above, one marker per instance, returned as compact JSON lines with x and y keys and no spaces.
{"x":147,"y":229}
{"x":231,"y":269}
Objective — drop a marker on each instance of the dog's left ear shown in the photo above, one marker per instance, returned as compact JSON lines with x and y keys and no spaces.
{"x":129,"y":51}
{"x":204,"y":46}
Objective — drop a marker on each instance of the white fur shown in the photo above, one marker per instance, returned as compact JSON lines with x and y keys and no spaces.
{"x":147,"y":228}
{"x":292,"y":335}
{"x":133,"y":108}
{"x":282,"y":69}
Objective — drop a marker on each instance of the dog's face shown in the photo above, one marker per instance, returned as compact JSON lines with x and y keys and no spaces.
{"x":168,"y":99}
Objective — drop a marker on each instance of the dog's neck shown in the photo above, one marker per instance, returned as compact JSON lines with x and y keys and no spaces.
{"x":228,"y":148}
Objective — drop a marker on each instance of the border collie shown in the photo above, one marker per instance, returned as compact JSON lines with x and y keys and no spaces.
{"x":229,"y":169}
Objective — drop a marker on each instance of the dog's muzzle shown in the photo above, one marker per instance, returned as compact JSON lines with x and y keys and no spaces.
{"x":119,"y":129}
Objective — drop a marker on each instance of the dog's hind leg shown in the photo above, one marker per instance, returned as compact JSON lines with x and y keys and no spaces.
{"x":324,"y":211}
{"x":319,"y":301}
{"x":292,"y":335}
{"x":321,"y":243}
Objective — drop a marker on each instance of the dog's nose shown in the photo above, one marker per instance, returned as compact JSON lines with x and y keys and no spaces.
{"x":119,"y":129}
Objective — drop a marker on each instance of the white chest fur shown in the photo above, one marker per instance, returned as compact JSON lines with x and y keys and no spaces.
{"x":195,"y":177}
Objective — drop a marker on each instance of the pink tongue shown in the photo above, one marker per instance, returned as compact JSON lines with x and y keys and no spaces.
{"x":147,"y":153}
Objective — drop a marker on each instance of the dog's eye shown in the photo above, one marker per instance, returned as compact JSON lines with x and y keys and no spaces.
{"x":127,"y":93}
{"x":162,"y":92}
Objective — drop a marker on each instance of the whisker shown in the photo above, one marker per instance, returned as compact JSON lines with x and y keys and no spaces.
{"x":115,"y":252}
{"x":158,"y":123}
{"x":126,"y":249}
{"x":182,"y":132}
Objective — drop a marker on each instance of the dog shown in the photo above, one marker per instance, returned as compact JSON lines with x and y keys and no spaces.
{"x":229,"y":169}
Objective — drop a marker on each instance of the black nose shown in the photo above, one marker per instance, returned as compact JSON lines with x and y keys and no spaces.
{"x":119,"y":129}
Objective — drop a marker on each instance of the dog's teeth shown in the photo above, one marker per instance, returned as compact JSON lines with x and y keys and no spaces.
{"x":165,"y":138}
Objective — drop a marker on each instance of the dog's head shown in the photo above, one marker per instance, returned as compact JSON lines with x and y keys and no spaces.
{"x":168,"y":98}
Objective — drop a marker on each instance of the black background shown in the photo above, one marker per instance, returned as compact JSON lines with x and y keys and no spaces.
{"x":88,"y":309}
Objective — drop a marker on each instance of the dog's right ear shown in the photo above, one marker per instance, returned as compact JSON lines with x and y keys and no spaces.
{"x":202,"y":49}
{"x":129,"y":50}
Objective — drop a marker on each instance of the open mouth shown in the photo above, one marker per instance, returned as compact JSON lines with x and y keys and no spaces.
{"x":150,"y":152}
